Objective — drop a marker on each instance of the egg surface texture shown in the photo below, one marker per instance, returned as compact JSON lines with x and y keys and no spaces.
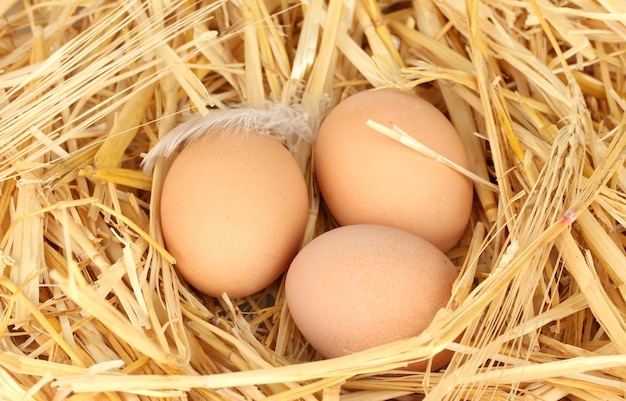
{"x":360,"y":286}
{"x":366,"y":177}
{"x":233,"y":211}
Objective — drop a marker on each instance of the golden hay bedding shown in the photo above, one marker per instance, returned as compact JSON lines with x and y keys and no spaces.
{"x":91,"y":305}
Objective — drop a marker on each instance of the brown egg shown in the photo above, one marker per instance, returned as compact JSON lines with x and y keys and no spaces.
{"x":359,"y":286}
{"x":233,"y":212}
{"x":366,"y":177}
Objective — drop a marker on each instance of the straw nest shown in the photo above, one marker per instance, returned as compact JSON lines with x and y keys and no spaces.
{"x":91,"y":305}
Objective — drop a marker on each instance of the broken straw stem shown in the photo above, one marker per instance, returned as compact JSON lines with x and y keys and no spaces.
{"x":399,"y":135}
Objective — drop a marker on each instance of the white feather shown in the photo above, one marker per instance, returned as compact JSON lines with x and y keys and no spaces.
{"x":289,"y":124}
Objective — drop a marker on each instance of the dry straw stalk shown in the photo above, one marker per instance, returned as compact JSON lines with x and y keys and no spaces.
{"x":91,"y":306}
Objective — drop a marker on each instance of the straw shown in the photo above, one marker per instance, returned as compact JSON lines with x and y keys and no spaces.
{"x":91,"y":304}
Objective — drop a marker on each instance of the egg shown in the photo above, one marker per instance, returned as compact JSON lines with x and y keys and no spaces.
{"x":366,"y":177}
{"x":360,"y":286}
{"x":233,"y":211}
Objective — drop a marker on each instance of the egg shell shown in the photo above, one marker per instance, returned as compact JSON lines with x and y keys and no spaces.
{"x":233,"y":211}
{"x":360,"y":286}
{"x":366,"y":177}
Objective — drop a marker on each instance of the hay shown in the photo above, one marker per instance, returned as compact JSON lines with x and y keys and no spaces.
{"x":91,"y":305}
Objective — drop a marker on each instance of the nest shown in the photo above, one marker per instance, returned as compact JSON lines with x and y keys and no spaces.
{"x":91,"y":305}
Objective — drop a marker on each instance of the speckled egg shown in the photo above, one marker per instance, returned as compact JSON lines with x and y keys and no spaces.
{"x":359,"y":286}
